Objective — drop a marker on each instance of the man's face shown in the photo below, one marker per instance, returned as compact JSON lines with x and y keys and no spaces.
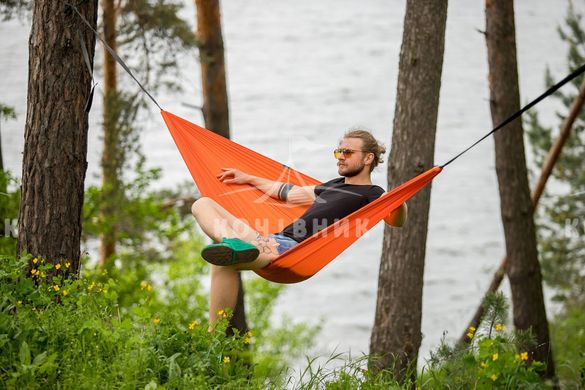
{"x":351,"y":164}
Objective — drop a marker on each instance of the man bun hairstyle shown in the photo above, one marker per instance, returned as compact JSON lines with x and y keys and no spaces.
{"x":371,"y":145}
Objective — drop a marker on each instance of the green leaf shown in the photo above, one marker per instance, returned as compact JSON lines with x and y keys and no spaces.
{"x":24,"y":353}
{"x":174,"y":368}
{"x":40,"y":359}
{"x":151,"y":385}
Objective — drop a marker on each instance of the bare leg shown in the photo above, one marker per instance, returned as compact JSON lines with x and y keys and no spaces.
{"x":218,"y":223}
{"x":224,"y":290}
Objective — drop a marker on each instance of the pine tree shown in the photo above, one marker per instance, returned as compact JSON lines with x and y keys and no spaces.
{"x":152,"y":34}
{"x":561,"y":219}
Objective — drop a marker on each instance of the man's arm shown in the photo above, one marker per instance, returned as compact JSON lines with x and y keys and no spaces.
{"x":283,"y":191}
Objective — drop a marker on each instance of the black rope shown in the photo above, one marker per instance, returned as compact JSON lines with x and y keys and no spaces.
{"x":114,"y":55}
{"x":89,"y":69}
{"x":527,"y":107}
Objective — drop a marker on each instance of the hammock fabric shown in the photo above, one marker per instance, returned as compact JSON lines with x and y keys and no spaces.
{"x":205,"y":153}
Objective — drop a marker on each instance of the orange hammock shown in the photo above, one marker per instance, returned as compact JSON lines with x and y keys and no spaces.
{"x":205,"y":153}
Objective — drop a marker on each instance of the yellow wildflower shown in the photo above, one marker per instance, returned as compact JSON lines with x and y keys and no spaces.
{"x":65,"y":293}
{"x":34,"y":271}
{"x":494,"y":377}
{"x":67,"y":264}
{"x":149,"y":287}
{"x":143,"y":284}
{"x":222,"y":314}
{"x":56,"y":287}
{"x":19,"y":302}
{"x":248,"y":337}
{"x":156,"y":321}
{"x":226,"y":360}
{"x":499,"y":327}
{"x":524,"y":356}
{"x":495,"y":356}
{"x":193,"y":324}
{"x":91,"y":286}
{"x":58,"y":266}
{"x":483,"y":365}
{"x":472,"y":328}
{"x":35,"y":260}
{"x":470,"y":335}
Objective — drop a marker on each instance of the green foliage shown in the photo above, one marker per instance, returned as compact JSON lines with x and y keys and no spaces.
{"x":157,"y":34}
{"x":146,"y":230}
{"x":349,"y":374}
{"x":125,"y":331}
{"x":568,"y":339}
{"x":7,"y":112}
{"x":561,"y":219}
{"x":492,"y":359}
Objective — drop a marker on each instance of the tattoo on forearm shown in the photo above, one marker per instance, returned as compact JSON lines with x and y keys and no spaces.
{"x":264,"y":246}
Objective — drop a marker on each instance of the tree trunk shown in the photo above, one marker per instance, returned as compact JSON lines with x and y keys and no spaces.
{"x":110,"y":156}
{"x":396,"y":335}
{"x":55,"y":149}
{"x":211,"y":53}
{"x":215,"y":103}
{"x":523,"y":269}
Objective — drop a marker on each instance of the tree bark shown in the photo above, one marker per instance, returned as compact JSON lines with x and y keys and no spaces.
{"x":523,"y":269}
{"x":55,"y":150}
{"x":396,"y":335}
{"x":110,"y":155}
{"x":215,"y":104}
{"x":211,"y":53}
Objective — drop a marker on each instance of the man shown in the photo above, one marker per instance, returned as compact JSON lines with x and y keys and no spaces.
{"x":239,"y":247}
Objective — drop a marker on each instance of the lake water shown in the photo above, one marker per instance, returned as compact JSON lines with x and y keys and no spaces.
{"x":299,"y":74}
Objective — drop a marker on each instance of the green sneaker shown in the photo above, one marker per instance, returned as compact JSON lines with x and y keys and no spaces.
{"x":230,"y":251}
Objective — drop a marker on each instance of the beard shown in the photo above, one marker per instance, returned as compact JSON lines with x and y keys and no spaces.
{"x":351,"y":172}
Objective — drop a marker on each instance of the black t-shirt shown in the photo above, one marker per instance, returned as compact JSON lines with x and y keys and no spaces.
{"x":334,"y":200}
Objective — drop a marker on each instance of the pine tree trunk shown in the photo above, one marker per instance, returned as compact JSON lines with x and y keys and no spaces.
{"x":396,"y":335}
{"x":211,"y":53}
{"x":110,"y":154}
{"x":523,"y":269}
{"x":215,"y":103}
{"x":55,"y":149}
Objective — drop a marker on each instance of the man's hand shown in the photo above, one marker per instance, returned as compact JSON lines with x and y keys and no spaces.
{"x":234,"y":176}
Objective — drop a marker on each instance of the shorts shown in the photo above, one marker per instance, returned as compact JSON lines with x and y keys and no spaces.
{"x":285,"y":242}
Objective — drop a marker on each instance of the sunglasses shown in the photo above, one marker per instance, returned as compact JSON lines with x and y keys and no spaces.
{"x":346,"y":152}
